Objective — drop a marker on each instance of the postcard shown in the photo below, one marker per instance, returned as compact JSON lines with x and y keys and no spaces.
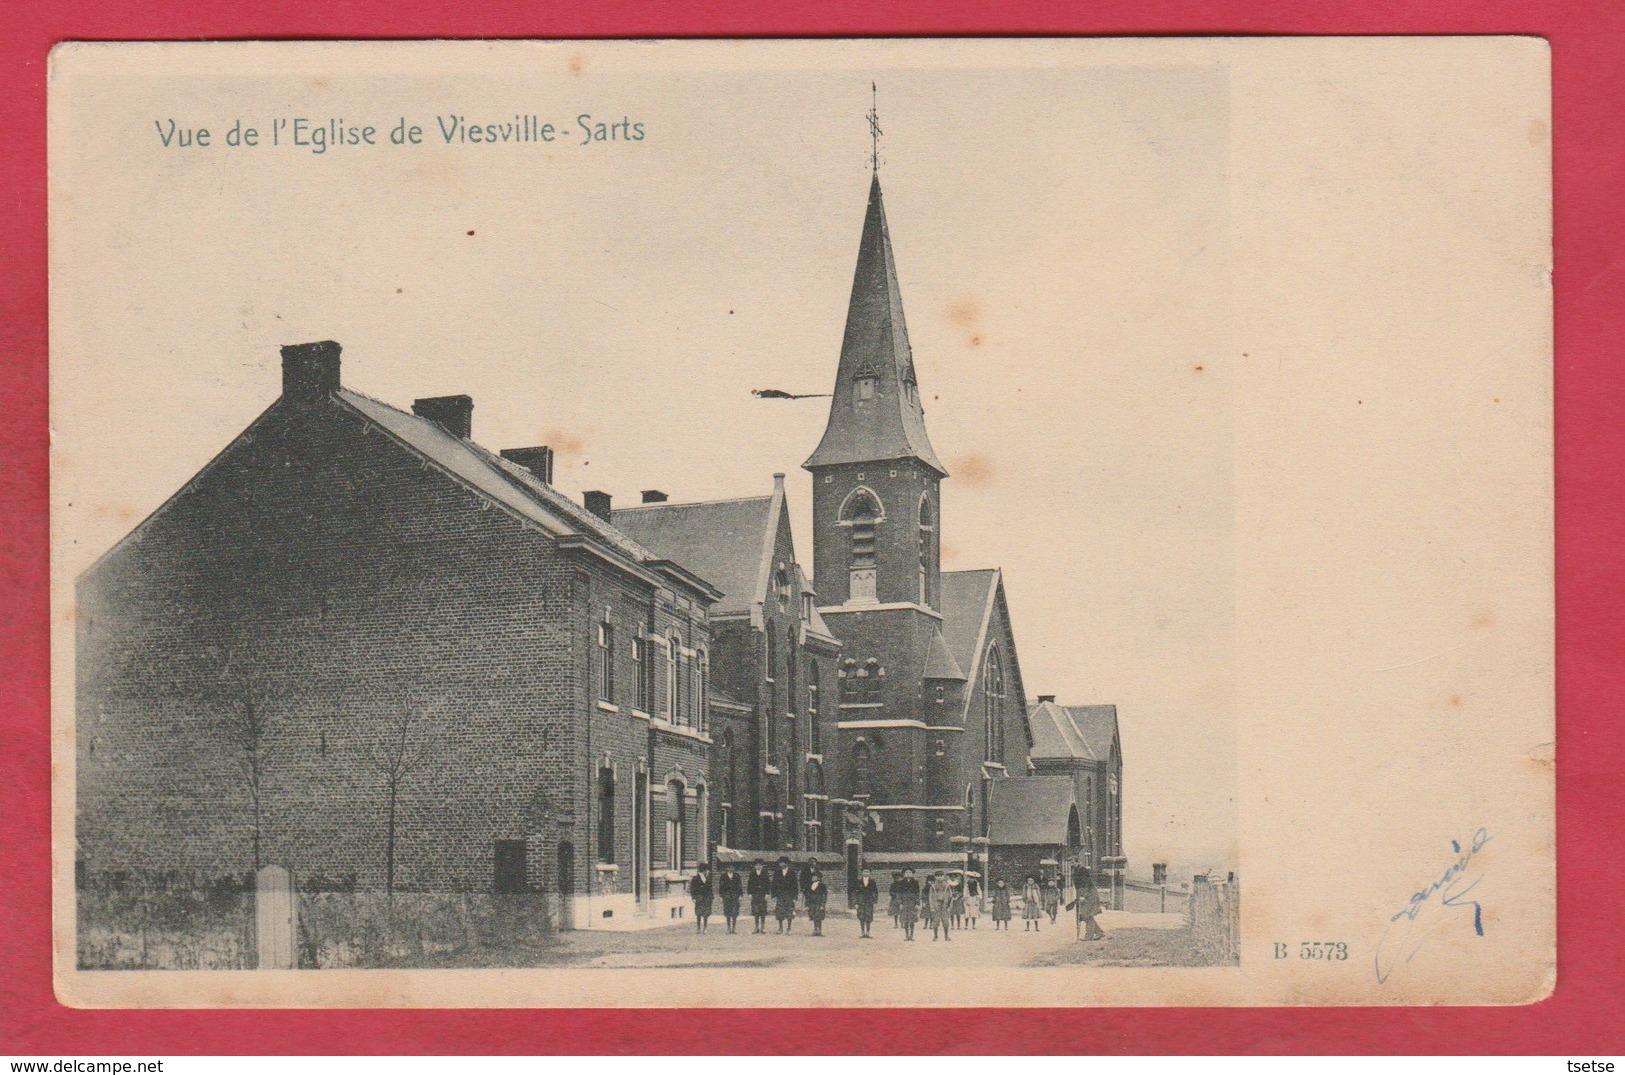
{"x":1040,"y":522}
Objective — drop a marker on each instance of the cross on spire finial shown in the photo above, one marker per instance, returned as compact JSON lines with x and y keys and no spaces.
{"x":874,"y":128}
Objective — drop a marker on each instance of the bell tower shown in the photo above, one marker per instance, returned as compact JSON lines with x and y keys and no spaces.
{"x":877,"y":511}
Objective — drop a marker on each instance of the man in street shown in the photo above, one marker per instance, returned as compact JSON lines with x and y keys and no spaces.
{"x":817,"y":899}
{"x":759,"y":885}
{"x":1087,"y":905}
{"x":785,"y":886}
{"x":939,"y":907}
{"x":700,"y":890}
{"x":731,"y":887}
{"x":907,"y":891}
{"x":804,"y":877}
{"x":865,"y":895}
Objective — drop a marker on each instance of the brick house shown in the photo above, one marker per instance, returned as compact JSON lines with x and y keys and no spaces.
{"x":352,"y":606}
{"x":774,"y":664}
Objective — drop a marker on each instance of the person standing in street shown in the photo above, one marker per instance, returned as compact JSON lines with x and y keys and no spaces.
{"x":804,"y":878}
{"x":907,"y":891}
{"x":759,"y":885}
{"x":786,"y":886}
{"x":956,"y":899}
{"x":817,"y":900}
{"x":700,"y":891}
{"x":731,"y":887}
{"x":893,"y":907}
{"x":1087,"y":905}
{"x":939,"y":902}
{"x":1001,"y":905}
{"x":1052,"y":897}
{"x":864,"y":897}
{"x":973,"y":897}
{"x":1032,"y":904}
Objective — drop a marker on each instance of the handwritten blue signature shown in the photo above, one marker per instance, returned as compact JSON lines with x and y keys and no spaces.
{"x":1452,"y":889}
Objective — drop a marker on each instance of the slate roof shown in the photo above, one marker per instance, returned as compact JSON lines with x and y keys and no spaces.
{"x":721,"y":540}
{"x":939,"y":662}
{"x":1030,"y":809}
{"x":891,"y":425}
{"x":1083,"y":732}
{"x":504,"y":483}
{"x":816,"y":622}
{"x":966,"y":601}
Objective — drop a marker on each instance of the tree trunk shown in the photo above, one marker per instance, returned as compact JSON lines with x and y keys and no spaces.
{"x":389,"y":845}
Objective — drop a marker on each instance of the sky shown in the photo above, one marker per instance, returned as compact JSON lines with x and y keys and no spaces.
{"x":1062,"y":242}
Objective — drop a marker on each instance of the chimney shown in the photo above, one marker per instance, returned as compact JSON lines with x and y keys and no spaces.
{"x":310,"y":371}
{"x":454,"y":413}
{"x":654,"y":496}
{"x":539,"y":461}
{"x":1050,"y":698}
{"x":597,"y":503}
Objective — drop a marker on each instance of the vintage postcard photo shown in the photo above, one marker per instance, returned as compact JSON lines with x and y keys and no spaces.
{"x":770,"y":523}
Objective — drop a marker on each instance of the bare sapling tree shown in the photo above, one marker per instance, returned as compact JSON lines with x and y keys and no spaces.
{"x":255,"y":732}
{"x":251,"y":730}
{"x":400,"y":750}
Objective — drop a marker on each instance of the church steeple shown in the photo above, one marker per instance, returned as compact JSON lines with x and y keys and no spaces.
{"x":876,"y":479}
{"x":875,"y":413}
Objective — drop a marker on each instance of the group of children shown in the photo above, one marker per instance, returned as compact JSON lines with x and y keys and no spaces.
{"x":948,"y":899}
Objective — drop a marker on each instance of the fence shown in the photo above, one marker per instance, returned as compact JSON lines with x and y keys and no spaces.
{"x":169,"y":921}
{"x":188,"y":922}
{"x":1214,"y":913}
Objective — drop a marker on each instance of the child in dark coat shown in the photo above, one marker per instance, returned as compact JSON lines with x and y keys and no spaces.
{"x":864,"y":898}
{"x":700,"y":890}
{"x":758,"y":886}
{"x":731,"y":888}
{"x":1001,"y":905}
{"x":817,"y":900}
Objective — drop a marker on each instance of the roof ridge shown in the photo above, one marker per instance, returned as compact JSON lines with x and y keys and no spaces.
{"x":526,"y":483}
{"x":694,"y":503}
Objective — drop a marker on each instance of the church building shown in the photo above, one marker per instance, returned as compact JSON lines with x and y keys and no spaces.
{"x":931,"y":709}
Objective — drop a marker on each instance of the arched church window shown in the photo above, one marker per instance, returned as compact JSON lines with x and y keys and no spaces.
{"x":993,"y":706}
{"x":814,"y":733}
{"x":792,"y":666}
{"x":861,"y":513}
{"x":928,"y":526}
{"x":772,"y":715}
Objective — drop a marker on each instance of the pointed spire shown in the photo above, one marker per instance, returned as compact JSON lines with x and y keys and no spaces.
{"x":875,"y":413}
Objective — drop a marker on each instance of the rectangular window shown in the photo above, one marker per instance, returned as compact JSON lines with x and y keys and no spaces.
{"x":606,"y":815}
{"x":674,"y":844}
{"x":640,"y":674}
{"x":671,"y":678}
{"x":606,"y":662}
{"x":703,"y":710}
{"x":685,"y":699}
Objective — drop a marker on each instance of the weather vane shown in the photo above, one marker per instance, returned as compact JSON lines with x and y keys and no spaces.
{"x":874,"y":127}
